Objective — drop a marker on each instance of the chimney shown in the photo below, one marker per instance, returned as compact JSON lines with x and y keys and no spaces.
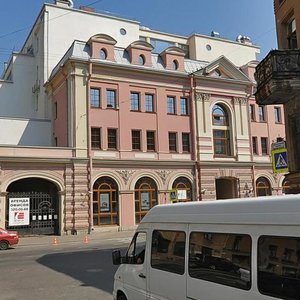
{"x":63,"y":3}
{"x":86,"y":8}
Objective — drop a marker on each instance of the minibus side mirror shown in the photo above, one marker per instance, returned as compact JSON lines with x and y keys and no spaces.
{"x":116,"y":257}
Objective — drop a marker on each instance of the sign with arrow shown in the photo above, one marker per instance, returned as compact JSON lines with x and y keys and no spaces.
{"x":280,"y":161}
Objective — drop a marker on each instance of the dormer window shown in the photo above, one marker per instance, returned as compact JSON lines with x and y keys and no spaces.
{"x":175,"y":65}
{"x":141,"y":60}
{"x":103,"y":53}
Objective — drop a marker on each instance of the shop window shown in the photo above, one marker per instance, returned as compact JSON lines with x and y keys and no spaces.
{"x":145,"y":197}
{"x":105,"y":202}
{"x":183,"y":188}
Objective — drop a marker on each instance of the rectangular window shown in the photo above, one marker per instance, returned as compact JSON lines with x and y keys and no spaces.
{"x":112,"y":139}
{"x":252,"y":112}
{"x":96,"y":138}
{"x":292,"y":34}
{"x":254,"y":145}
{"x":150,"y":141}
{"x":135,"y":101}
{"x":264,"y":146}
{"x":277,"y":113}
{"x":111,"y":101}
{"x":149,"y":103}
{"x":168,"y":251}
{"x":186,"y":142}
{"x":225,"y":259}
{"x":221,"y":142}
{"x":95,"y":97}
{"x":261,"y":113}
{"x":171,"y":105}
{"x":278,"y":267}
{"x":173,"y":141}
{"x":136,"y":139}
{"x":184,"y":106}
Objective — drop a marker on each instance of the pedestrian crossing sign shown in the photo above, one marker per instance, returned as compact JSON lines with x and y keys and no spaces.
{"x":280,"y":160}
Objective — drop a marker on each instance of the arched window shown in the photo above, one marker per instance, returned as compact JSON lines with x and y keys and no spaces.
{"x":219,"y":115}
{"x":221,"y":131}
{"x":263,"y":187}
{"x":145,"y":197}
{"x":103,"y":53}
{"x":175,"y":65}
{"x":141,"y":60}
{"x":105,"y":202}
{"x":183,"y":189}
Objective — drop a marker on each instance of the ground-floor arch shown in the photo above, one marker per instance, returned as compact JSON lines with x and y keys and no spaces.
{"x":227,"y":188}
{"x":32,"y":207}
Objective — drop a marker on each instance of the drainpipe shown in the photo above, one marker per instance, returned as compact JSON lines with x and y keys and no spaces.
{"x":251,"y":146}
{"x":194,"y":139}
{"x":90,"y":191}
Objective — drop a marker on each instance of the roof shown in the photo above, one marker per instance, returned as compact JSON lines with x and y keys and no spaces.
{"x":81,"y":51}
{"x":284,"y":210}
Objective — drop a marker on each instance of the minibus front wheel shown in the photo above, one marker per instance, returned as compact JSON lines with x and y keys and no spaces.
{"x":121,"y":296}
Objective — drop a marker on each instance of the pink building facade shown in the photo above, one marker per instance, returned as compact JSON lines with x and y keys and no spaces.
{"x":132,"y":128}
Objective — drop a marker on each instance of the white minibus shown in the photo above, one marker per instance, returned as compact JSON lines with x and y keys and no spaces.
{"x":238,"y":249}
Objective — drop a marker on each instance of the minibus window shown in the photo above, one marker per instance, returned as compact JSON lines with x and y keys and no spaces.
{"x":222,"y":258}
{"x":168,"y":251}
{"x":136,"y":250}
{"x":279,"y":267}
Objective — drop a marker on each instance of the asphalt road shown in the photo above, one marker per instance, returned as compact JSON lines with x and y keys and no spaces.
{"x":73,"y":270}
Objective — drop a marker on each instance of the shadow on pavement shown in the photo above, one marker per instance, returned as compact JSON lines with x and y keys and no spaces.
{"x":93,"y":268}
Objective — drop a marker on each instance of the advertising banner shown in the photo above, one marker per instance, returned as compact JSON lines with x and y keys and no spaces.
{"x":19,"y":209}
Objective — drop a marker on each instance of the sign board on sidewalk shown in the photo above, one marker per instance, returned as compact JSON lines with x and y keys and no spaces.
{"x":19,"y":209}
{"x":280,"y":160}
{"x":173,"y":195}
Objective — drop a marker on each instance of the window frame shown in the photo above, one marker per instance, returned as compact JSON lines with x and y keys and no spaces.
{"x":136,"y":143}
{"x":171,"y":105}
{"x":98,"y":144}
{"x":210,"y":250}
{"x":95,"y":103}
{"x":135,"y":101}
{"x":151,"y":142}
{"x":277,"y":115}
{"x":115,"y":137}
{"x":186,"y":144}
{"x":184,"y":107}
{"x":149,"y":98}
{"x":173,"y":141}
{"x":168,"y":264}
{"x":111,"y":102}
{"x":264,"y":143}
{"x":254,"y":145}
{"x":262,"y":113}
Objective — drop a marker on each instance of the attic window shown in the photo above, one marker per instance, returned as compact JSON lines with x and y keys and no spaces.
{"x":103,"y":54}
{"x":141,"y":60}
{"x":175,"y":65}
{"x":123,"y":31}
{"x":218,"y":72}
{"x":208,"y":47}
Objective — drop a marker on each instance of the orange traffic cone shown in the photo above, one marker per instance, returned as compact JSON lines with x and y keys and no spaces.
{"x":86,"y":241}
{"x":55,"y":242}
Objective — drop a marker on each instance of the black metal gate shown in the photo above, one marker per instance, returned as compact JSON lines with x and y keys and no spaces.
{"x":43,"y":214}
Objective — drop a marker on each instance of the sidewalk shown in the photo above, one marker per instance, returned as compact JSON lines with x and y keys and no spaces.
{"x":80,"y":238}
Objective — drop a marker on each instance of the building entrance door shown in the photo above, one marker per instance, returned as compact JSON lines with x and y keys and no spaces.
{"x":227,"y":188}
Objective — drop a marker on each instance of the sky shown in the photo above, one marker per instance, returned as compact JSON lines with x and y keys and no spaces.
{"x":253,"y":18}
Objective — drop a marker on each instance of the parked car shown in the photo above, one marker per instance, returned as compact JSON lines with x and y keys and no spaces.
{"x":8,"y":238}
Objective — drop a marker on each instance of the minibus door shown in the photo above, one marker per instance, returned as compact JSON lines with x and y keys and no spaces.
{"x":167,"y":273}
{"x":135,"y":268}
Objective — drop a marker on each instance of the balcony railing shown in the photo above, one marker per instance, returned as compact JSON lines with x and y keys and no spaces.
{"x":278,"y":77}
